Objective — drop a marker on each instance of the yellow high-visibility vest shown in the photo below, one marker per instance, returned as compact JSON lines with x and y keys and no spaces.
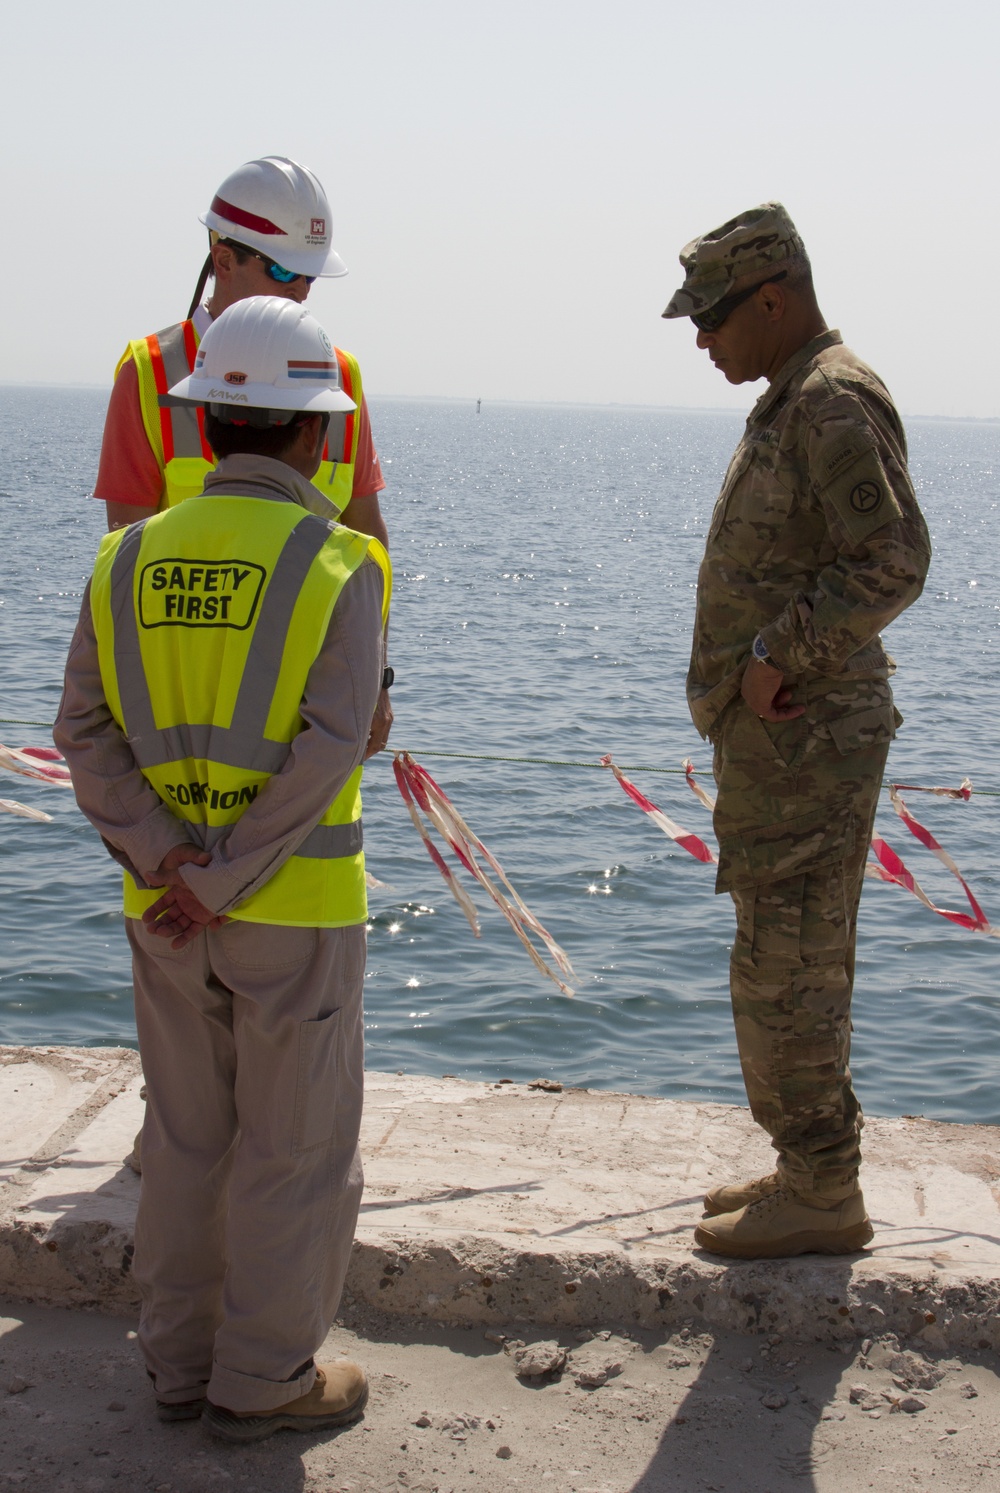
{"x":177,"y":435}
{"x":208,"y":619}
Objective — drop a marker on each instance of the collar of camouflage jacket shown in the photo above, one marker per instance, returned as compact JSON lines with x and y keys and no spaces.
{"x":787,"y":372}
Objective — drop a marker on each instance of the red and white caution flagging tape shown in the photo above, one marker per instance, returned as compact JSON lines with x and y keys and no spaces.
{"x":43,"y":763}
{"x":707,"y":799}
{"x":422,"y":795}
{"x":689,"y":842}
{"x":36,"y":762}
{"x":887,"y":866}
{"x":11,"y":806}
{"x":420,"y":791}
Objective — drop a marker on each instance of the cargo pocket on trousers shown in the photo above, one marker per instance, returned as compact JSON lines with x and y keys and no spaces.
{"x":316,"y":1084}
{"x":875,"y":726}
{"x":774,"y":852}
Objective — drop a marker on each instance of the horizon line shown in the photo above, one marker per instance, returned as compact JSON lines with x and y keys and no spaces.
{"x":684,"y":409}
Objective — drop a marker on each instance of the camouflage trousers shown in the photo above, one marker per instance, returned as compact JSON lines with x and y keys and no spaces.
{"x":794,"y":817}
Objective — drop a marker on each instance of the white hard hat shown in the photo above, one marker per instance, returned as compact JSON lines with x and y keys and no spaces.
{"x":278,"y":207}
{"x":267,"y":353}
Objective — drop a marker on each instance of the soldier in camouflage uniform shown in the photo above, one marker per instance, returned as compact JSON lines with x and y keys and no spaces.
{"x":816,"y":543}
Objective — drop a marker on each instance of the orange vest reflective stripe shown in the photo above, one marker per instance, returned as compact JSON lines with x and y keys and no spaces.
{"x":177,"y":435}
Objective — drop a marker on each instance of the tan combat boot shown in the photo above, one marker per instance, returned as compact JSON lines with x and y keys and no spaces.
{"x":338,"y":1396}
{"x":781,"y":1224}
{"x":134,"y":1158}
{"x":732,"y":1196}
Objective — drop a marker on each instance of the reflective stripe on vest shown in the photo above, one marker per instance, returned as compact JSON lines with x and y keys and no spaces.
{"x":241,"y":679}
{"x":242,"y":743}
{"x":176,"y":433}
{"x":335,"y":478}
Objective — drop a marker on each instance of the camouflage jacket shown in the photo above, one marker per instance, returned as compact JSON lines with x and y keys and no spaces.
{"x":816,"y":541}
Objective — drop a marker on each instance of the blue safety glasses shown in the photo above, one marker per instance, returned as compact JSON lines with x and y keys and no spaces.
{"x":277,"y":272}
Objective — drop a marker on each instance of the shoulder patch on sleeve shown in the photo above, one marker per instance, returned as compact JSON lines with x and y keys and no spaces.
{"x":861,"y":495}
{"x":842,"y":453}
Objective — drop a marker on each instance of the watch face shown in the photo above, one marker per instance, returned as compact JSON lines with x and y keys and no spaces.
{"x":388,"y":677}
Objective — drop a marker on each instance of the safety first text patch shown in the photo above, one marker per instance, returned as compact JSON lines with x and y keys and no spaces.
{"x":200,"y":593}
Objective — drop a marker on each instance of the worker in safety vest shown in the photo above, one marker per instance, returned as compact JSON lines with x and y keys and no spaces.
{"x":219,"y":690}
{"x":269,"y":234}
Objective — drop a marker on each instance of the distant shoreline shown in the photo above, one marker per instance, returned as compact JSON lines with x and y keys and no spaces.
{"x":559,"y":404}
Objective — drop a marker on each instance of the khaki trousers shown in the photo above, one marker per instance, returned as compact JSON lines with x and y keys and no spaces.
{"x":794,"y":819}
{"x":252,"y":1046}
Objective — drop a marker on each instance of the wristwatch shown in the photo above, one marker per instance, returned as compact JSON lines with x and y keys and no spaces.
{"x":388,"y":676}
{"x":759,"y":651}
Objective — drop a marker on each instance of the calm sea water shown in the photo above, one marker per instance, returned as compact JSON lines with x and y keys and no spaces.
{"x":545,"y":563}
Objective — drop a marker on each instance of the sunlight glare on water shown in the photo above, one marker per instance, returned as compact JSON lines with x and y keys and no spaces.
{"x":545,"y":562}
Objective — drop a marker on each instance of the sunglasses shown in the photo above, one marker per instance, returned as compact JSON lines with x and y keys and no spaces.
{"x":276,"y":271}
{"x":712,"y":319}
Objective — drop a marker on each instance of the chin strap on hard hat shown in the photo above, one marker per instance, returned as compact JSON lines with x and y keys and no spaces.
{"x":206,"y":270}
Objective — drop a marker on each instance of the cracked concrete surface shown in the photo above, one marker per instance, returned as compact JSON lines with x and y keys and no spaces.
{"x":487,"y":1203}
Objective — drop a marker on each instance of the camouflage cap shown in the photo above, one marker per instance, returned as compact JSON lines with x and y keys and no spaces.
{"x":759,"y":239}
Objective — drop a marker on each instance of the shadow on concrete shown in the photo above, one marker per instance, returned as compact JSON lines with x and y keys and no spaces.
{"x":920,"y":1234}
{"x":122,"y":1187}
{"x":648,"y":1234}
{"x":374,"y":1326}
{"x":723,"y":1436}
{"x":449,"y":1195}
{"x":63,"y":1425}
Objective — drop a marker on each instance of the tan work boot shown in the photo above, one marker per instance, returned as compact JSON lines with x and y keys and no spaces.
{"x":732,"y":1196}
{"x":134,"y":1158}
{"x":780,"y":1224}
{"x":338,"y":1396}
{"x":167,"y":1410}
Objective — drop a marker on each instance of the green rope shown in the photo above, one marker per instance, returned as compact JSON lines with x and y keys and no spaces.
{"x":526,"y":761}
{"x":540,"y":761}
{"x":625,"y":766}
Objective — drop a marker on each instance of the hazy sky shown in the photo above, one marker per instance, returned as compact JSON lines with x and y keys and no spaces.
{"x":511,"y":183}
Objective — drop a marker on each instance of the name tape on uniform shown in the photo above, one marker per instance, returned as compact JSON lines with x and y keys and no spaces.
{"x":200,"y":593}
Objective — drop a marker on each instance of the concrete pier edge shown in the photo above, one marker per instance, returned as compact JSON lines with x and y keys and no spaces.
{"x":501,"y":1204}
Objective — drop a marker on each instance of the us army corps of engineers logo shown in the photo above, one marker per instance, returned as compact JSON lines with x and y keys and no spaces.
{"x":200,"y":593}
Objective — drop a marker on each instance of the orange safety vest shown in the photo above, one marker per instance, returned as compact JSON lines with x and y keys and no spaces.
{"x":176,"y":434}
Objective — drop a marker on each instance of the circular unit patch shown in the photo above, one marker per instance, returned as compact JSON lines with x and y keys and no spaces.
{"x":866,"y":497}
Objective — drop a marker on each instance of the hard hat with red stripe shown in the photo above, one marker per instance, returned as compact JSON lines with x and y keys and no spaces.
{"x":277,"y":207}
